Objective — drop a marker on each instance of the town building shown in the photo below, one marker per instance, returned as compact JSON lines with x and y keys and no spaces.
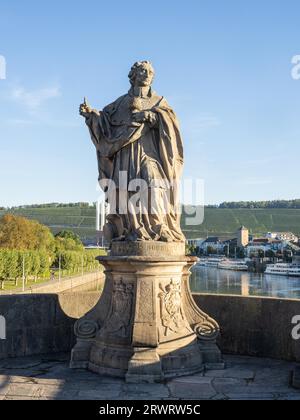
{"x":264,"y":244}
{"x":195,"y":242}
{"x":212,"y":243}
{"x":283,"y":236}
{"x":242,"y":237}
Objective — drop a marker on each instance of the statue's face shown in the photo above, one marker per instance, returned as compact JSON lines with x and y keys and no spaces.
{"x":144,"y":76}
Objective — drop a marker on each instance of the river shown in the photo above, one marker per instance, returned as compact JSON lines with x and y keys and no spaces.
{"x":213,"y":280}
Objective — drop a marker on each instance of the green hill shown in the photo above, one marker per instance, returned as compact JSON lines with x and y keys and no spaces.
{"x":217,"y":221}
{"x":225,"y":222}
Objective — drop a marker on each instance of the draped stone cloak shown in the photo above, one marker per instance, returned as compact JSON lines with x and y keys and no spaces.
{"x":150,"y":151}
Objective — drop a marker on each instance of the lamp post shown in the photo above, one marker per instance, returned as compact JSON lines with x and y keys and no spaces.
{"x":23,"y":276}
{"x":59,"y":268}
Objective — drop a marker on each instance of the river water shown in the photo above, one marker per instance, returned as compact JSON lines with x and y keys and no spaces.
{"x":213,"y":280}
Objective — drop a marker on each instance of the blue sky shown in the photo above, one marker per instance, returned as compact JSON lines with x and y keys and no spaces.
{"x":225,"y":68}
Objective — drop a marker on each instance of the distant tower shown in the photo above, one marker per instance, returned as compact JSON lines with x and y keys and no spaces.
{"x":101,"y":213}
{"x":242,"y":237}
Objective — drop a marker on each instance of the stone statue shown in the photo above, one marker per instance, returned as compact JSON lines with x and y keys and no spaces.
{"x":146,"y":326}
{"x":139,"y":148}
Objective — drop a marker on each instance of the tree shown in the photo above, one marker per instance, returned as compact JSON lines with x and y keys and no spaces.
{"x":23,"y":234}
{"x":35,"y":264}
{"x":270,"y":254}
{"x":67,"y":240}
{"x":12,"y":264}
{"x":45,"y":240}
{"x":261,"y":253}
{"x":45,"y":263}
{"x":16,"y":233}
{"x":191,"y":250}
{"x":240,"y":252}
{"x":210,"y":250}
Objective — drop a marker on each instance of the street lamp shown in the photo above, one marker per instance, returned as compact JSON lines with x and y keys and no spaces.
{"x":59,"y":268}
{"x":23,"y":276}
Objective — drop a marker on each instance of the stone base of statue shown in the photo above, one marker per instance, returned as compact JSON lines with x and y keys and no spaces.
{"x":146,"y":326}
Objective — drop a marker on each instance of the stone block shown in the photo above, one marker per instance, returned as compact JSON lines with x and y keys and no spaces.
{"x":296,"y":377}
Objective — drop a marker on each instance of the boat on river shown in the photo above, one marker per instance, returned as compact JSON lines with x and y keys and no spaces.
{"x":283,"y":269}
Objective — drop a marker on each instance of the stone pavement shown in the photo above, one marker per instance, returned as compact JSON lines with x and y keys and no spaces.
{"x":49,"y":377}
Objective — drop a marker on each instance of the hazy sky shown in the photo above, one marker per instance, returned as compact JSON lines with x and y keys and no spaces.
{"x":224,"y":66}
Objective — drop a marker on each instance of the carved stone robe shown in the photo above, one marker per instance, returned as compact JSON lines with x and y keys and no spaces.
{"x":150,"y":151}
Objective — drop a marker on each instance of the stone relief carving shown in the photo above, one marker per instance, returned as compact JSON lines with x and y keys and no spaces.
{"x":118,"y":321}
{"x":170,"y":306}
{"x":85,"y":328}
{"x":206,"y":328}
{"x":145,"y":307}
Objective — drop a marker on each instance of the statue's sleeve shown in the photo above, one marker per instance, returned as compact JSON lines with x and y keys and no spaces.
{"x":170,"y":141}
{"x":99,"y":127}
{"x":109,"y":139}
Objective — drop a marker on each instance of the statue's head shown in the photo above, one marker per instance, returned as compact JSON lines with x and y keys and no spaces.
{"x":141,"y":74}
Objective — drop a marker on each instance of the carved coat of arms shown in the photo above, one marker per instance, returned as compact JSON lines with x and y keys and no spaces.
{"x":170,"y":306}
{"x":118,"y":321}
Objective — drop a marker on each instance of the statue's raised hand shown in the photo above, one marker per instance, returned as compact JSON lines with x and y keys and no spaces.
{"x":84,"y":109}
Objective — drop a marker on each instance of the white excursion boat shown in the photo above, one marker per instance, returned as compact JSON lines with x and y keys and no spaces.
{"x":202,"y":262}
{"x":210,"y":261}
{"x":233,"y":265}
{"x":281,"y":269}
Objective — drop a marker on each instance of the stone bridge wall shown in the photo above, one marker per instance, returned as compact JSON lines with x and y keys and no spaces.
{"x":43,"y":323}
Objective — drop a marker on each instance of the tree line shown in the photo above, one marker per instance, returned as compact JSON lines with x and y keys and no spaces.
{"x":82,"y":204}
{"x":34,"y":265}
{"x":273,"y":204}
{"x":29,"y":249}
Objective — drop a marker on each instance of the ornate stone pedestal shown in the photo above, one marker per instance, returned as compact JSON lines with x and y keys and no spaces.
{"x":146,"y":326}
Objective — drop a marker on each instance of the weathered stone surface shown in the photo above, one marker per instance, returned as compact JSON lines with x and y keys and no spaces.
{"x":187,"y":388}
{"x":148,"y":248}
{"x":24,"y":390}
{"x":4,"y":387}
{"x":230,"y":385}
{"x":244,"y":396}
{"x":146,"y":326}
{"x":45,"y":322}
{"x":71,"y":306}
{"x":237,"y":373}
{"x":140,"y":158}
{"x":289,"y":397}
{"x":254,"y":326}
{"x":58,"y":382}
{"x":296,"y":377}
{"x":145,"y":391}
{"x":100,"y":393}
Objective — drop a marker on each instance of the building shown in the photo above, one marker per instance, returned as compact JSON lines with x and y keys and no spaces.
{"x":265,"y":245}
{"x":214,"y":244}
{"x":102,"y":210}
{"x":242,"y":237}
{"x":283,"y":236}
{"x":195,"y":242}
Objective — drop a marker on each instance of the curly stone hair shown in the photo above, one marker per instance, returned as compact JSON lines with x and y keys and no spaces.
{"x":136,"y":66}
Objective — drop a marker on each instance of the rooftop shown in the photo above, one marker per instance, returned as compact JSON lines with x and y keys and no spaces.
{"x":49,"y":377}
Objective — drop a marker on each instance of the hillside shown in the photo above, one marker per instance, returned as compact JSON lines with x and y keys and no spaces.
{"x":217,"y":221}
{"x":225,"y":222}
